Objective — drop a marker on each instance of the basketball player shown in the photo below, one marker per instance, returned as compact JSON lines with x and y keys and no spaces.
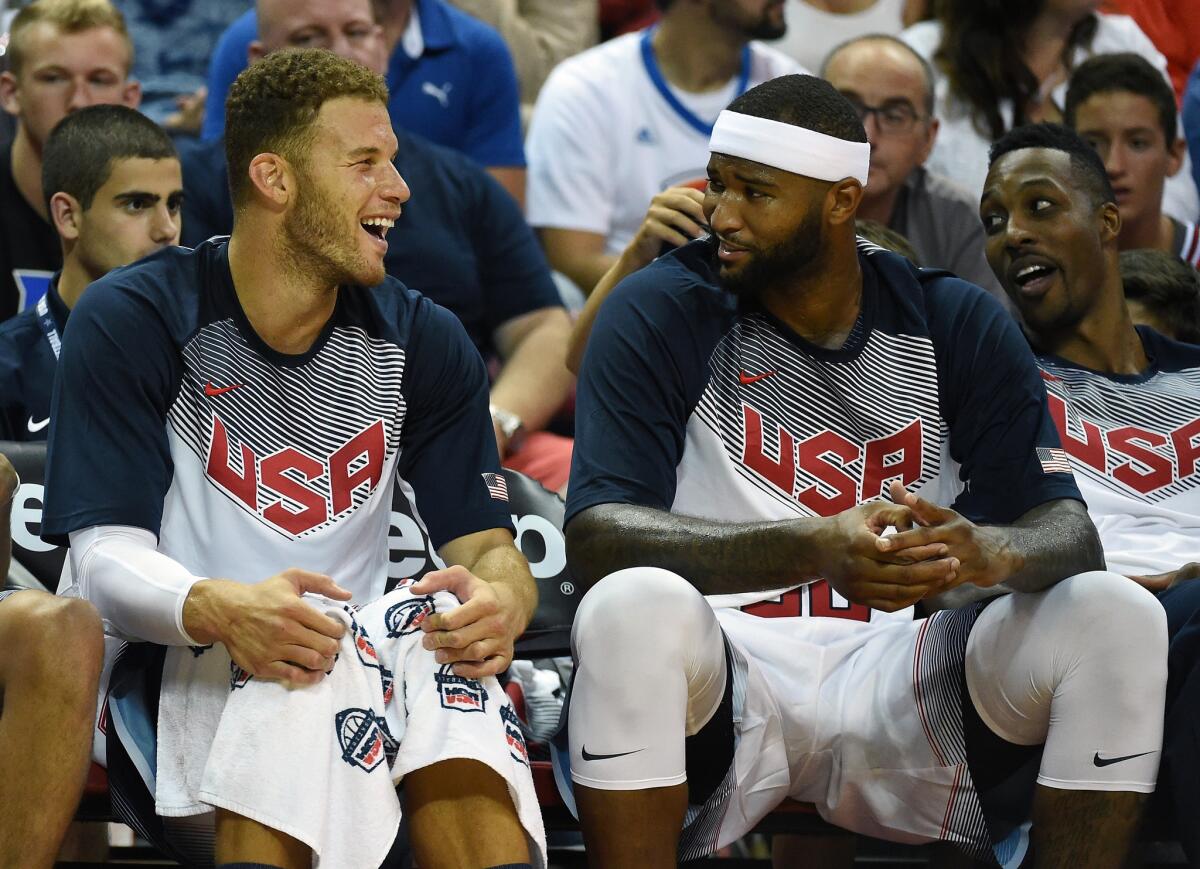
{"x":243,"y":410}
{"x":113,"y":189}
{"x":744,"y":403}
{"x":1125,"y":399}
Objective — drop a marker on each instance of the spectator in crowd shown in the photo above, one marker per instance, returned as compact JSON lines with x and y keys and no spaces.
{"x":1125,"y":400}
{"x":1162,"y":292}
{"x":62,"y":55}
{"x":891,"y":87}
{"x":450,"y":78}
{"x":461,"y":241}
{"x":1004,"y":63}
{"x":51,"y":649}
{"x":631,"y":117}
{"x":1190,"y":116}
{"x":886,"y":237}
{"x":814,"y":26}
{"x":1124,"y":109}
{"x":184,"y":473}
{"x":113,"y":189}
{"x":540,"y":34}
{"x":745,"y":404}
{"x":1172,"y":26}
{"x":174,"y":43}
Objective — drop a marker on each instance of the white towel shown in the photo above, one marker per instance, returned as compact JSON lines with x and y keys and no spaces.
{"x":319,"y":763}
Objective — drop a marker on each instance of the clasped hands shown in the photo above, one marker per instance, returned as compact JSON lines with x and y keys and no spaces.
{"x":933,"y":550}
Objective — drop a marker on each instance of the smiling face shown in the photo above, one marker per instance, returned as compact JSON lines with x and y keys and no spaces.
{"x":1050,"y":245}
{"x":767,"y":223}
{"x":1126,"y":130}
{"x":348,"y":195}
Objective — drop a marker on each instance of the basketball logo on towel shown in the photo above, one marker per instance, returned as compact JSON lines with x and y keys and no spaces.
{"x":459,"y":692}
{"x":365,"y":739}
{"x":512,"y":733}
{"x":405,"y":618}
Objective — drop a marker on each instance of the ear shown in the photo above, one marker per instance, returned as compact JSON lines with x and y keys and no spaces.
{"x":255,"y":51}
{"x":66,"y":215}
{"x":273,"y":179}
{"x":841,"y":202}
{"x":930,"y":139}
{"x":1175,"y":155}
{"x":8,"y":93}
{"x":1110,"y":223}
{"x":131,"y":94}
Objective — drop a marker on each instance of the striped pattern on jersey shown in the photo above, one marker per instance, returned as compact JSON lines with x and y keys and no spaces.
{"x":938,"y":683}
{"x":9,"y":592}
{"x":233,"y":400}
{"x":1136,"y":439}
{"x":702,"y":824}
{"x":821,"y":407}
{"x":1189,"y":248}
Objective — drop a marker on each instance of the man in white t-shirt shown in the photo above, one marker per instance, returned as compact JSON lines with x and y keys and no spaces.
{"x":620,"y":122}
{"x":1125,"y":401}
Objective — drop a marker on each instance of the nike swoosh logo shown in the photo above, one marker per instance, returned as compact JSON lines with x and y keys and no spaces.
{"x":753,"y":378}
{"x":1109,"y":761}
{"x":35,"y":427}
{"x":211,"y":390}
{"x":588,"y":756}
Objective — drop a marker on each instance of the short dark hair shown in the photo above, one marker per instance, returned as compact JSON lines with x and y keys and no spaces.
{"x":803,"y":101}
{"x":80,"y":152}
{"x":1086,"y":164}
{"x":926,"y":67}
{"x":1122,"y":73}
{"x":274,"y":103}
{"x":1166,"y":285}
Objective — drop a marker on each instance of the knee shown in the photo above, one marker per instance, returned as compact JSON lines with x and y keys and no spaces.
{"x":52,"y":639}
{"x":1117,"y":613}
{"x":639,"y":605}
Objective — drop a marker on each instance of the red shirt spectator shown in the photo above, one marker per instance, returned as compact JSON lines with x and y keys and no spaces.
{"x":1174,"y":28}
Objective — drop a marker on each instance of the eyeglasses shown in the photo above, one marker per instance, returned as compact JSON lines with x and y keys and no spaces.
{"x":898,"y":118}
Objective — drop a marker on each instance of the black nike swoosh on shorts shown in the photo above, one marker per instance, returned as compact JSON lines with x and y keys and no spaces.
{"x":1109,"y":761}
{"x":588,"y":756}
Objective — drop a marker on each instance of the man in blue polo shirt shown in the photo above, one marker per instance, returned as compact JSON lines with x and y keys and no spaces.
{"x":450,"y":78}
{"x":461,"y":241}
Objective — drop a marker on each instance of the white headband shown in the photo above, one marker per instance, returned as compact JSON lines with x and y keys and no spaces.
{"x":791,"y":148}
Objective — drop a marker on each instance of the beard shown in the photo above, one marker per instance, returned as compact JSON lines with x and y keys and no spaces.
{"x":321,"y":245}
{"x":763,"y":269}
{"x":748,"y":24}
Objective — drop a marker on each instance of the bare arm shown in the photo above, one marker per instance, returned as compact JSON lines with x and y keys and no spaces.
{"x":577,"y":254}
{"x":512,"y":179}
{"x":534,"y":381}
{"x":1044,"y":546}
{"x":676,"y":216}
{"x":722,"y":558}
{"x":491,"y":578}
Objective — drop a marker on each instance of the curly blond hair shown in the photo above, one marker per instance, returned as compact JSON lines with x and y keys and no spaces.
{"x":273,"y":105}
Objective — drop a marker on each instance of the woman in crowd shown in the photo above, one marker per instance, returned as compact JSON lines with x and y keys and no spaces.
{"x":815,"y":27}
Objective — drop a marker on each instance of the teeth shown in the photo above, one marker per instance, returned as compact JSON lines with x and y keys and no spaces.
{"x":385,"y":222}
{"x":1028,"y":270}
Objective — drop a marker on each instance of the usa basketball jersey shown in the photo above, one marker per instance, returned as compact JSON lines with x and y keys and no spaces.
{"x":692,"y":402}
{"x":1134,"y":444}
{"x":177,"y":418}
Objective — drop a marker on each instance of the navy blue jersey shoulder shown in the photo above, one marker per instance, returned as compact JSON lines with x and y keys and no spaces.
{"x":27,"y":364}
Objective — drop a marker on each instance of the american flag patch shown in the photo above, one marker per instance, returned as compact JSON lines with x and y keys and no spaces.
{"x":1054,"y":460}
{"x":497,"y":486}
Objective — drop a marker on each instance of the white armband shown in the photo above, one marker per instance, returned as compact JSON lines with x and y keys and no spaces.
{"x":138,"y":590}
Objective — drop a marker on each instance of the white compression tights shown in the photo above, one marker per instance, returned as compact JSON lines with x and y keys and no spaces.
{"x":1080,"y":667}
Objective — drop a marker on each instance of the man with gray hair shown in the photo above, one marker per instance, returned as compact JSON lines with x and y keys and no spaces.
{"x":891,"y":88}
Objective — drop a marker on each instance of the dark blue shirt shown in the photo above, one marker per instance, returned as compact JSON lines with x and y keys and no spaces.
{"x":461,"y":239}
{"x":462,"y":92}
{"x":28,"y":358}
